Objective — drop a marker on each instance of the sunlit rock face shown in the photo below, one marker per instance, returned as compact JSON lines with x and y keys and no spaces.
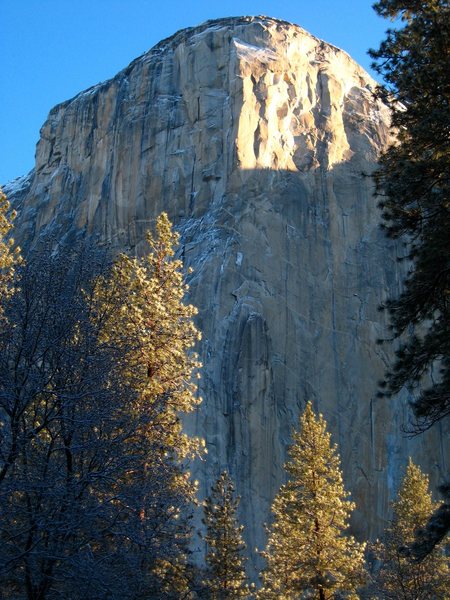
{"x":255,"y":137}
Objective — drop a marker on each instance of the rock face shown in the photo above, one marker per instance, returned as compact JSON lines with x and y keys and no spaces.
{"x":254,"y":136}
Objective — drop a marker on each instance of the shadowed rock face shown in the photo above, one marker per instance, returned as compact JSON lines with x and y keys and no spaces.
{"x":254,"y":136}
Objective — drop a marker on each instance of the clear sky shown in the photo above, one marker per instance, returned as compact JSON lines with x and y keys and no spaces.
{"x":52,"y":49}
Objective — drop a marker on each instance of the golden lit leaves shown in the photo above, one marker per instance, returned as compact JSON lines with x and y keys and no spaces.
{"x":307,"y":550}
{"x":9,"y":257}
{"x":400,"y":577}
{"x":157,"y":329}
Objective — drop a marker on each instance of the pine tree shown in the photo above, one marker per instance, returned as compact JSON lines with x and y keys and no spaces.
{"x":226,"y":579}
{"x":155,"y":328}
{"x":9,"y":257}
{"x":400,"y":578}
{"x":413,"y":182}
{"x":308,"y":555}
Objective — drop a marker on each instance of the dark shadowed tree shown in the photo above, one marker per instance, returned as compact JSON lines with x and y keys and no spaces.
{"x":225,"y":575}
{"x":413,"y":180}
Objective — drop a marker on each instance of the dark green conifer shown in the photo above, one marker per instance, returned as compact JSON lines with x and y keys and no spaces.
{"x":226,"y":577}
{"x":413,"y":180}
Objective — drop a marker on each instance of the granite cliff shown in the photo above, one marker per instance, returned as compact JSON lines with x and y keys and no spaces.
{"x":255,"y":137}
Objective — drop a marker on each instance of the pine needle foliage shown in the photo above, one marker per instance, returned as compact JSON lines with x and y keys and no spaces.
{"x":308,"y":555}
{"x":413,"y":182}
{"x":9,"y":257}
{"x":157,"y":328}
{"x":226,"y":579}
{"x":401,"y":578}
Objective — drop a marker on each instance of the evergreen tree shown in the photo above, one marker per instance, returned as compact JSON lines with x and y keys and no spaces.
{"x":308,"y":555}
{"x":399,"y":577}
{"x":8,"y":256}
{"x":413,"y":181}
{"x":156,"y":331}
{"x":226,"y":579}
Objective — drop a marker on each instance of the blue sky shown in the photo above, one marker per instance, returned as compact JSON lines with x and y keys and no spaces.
{"x":52,"y":49}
